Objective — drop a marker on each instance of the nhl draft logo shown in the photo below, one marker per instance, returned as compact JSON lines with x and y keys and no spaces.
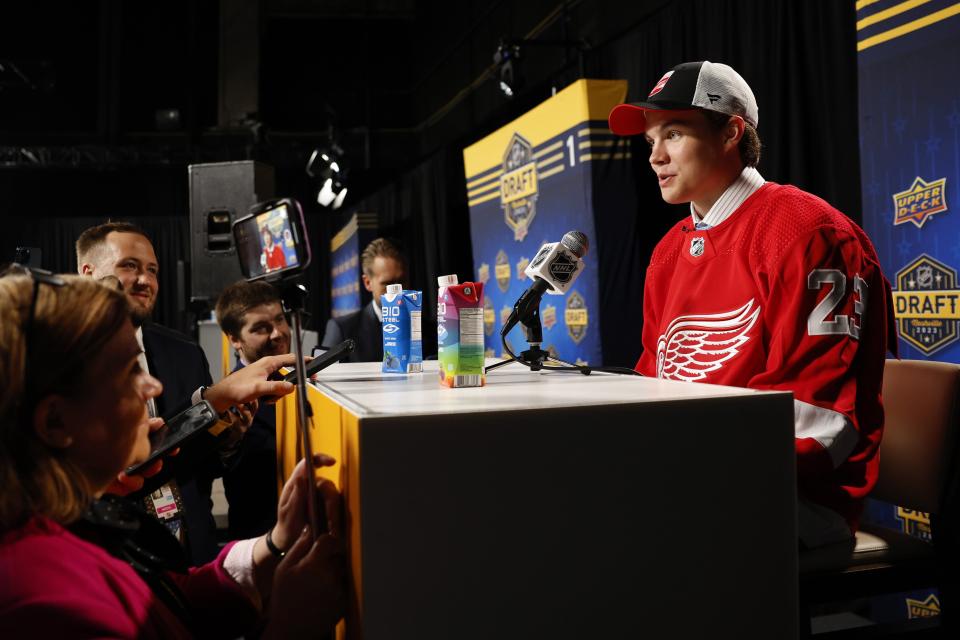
{"x":696,"y":247}
{"x":918,"y":203}
{"x":489,"y":316}
{"x":576,"y":318}
{"x":928,"y":608}
{"x":695,"y":345}
{"x":927,"y":304}
{"x":518,"y":186}
{"x":549,"y":317}
{"x":501,"y":270}
{"x":914,"y":523}
{"x":483,"y":272}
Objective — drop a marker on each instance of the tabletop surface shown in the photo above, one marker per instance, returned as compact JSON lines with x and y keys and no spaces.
{"x":364,"y":390}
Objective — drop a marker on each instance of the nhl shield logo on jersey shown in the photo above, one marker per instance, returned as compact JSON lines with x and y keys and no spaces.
{"x":693,"y":346}
{"x":489,"y":316}
{"x":927,"y":304}
{"x":501,"y":270}
{"x":518,"y":186}
{"x":919,"y":202}
{"x":696,"y":246}
{"x":576,"y":318}
{"x":928,"y":608}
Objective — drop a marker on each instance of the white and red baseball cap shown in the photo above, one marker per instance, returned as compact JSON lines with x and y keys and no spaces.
{"x":691,"y":85}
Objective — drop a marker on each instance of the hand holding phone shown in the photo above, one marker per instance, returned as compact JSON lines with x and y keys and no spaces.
{"x":324,"y":360}
{"x":175,"y":432}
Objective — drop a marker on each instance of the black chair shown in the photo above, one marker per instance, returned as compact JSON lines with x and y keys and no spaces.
{"x":917,"y":471}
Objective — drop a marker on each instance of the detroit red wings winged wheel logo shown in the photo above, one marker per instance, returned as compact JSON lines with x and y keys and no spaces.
{"x":695,"y":345}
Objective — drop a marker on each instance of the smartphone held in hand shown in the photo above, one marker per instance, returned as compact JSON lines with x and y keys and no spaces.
{"x":176,"y":432}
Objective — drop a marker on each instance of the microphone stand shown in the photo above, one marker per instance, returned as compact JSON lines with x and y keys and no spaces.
{"x":534,"y":358}
{"x":294,"y":297}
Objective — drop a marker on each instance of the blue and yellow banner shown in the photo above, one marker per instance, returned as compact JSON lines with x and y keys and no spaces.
{"x":908,"y":56}
{"x":529,"y":183}
{"x":345,"y":270}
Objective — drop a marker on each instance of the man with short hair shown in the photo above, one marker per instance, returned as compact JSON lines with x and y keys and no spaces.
{"x":382,"y":263}
{"x":763,"y":286}
{"x":124,"y":250}
{"x":251,"y":316}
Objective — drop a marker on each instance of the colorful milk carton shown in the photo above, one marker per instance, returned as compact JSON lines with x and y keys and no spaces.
{"x":460,"y":333}
{"x":402,"y":339}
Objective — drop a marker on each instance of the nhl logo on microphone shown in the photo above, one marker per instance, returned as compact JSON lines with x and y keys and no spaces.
{"x":561,"y":268}
{"x":696,"y":247}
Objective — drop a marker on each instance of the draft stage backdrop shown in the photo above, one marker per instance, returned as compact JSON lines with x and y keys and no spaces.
{"x":908,"y":55}
{"x":529,"y":183}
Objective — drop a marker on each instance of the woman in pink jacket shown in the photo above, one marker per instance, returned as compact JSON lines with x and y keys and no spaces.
{"x":78,"y":562}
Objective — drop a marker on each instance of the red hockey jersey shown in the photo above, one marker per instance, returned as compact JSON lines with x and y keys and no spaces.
{"x":786,"y":294}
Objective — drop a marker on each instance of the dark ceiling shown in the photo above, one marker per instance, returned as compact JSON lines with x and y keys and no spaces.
{"x":395,"y":79}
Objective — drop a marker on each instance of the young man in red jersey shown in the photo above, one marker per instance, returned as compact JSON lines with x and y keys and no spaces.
{"x":764,"y":286}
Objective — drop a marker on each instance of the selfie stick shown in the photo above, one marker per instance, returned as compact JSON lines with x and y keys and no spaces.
{"x":294,"y":297}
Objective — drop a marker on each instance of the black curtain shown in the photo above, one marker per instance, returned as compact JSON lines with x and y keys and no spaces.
{"x":798,"y":57}
{"x":55,"y":237}
{"x":426,"y":210}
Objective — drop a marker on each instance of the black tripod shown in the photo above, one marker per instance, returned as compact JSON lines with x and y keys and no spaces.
{"x":294,"y":296}
{"x":534,"y":358}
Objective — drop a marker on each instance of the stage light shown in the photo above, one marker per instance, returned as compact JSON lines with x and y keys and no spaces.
{"x":507,"y":60}
{"x":325,"y":164}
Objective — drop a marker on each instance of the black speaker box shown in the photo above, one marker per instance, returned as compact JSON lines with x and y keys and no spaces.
{"x":220,"y":193}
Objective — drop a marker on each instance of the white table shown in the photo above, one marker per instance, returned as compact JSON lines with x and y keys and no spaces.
{"x":556,"y":505}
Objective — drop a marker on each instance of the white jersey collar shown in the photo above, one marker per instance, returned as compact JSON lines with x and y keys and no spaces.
{"x":742,"y":188}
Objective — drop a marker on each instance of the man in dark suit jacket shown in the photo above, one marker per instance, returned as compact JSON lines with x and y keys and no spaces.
{"x":182,"y":368}
{"x":124,"y":251}
{"x":382,"y":264}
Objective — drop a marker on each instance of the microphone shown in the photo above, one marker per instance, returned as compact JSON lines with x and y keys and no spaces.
{"x":553,"y":270}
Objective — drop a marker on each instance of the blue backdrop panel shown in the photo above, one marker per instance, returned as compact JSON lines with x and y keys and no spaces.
{"x":345,"y":270}
{"x":909,"y":54}
{"x":529,"y":183}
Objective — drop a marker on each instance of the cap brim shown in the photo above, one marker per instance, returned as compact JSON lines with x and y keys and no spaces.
{"x":629,"y":119}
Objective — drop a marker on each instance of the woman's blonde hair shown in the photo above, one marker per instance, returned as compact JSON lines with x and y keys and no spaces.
{"x":70,"y":326}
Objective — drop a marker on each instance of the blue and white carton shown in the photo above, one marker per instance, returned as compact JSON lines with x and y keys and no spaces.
{"x":402,"y":337}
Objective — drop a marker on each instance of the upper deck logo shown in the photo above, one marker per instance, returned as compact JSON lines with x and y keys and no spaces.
{"x":483,"y":272}
{"x":918,"y":203}
{"x":522,"y":265}
{"x":518,"y":186}
{"x":923,"y":608}
{"x":927,"y":304}
{"x":489,"y":316}
{"x":915,"y":523}
{"x":576,"y":318}
{"x":501,"y":270}
{"x":505,"y":314}
{"x":549,"y":316}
